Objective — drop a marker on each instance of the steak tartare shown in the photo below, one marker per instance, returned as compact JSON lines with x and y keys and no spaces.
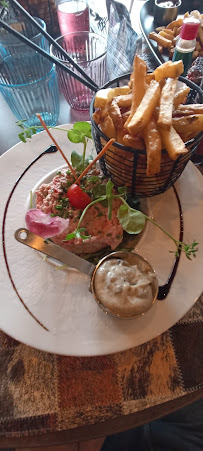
{"x":52,"y":199}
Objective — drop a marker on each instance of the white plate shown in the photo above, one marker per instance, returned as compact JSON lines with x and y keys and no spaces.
{"x":60,"y":300}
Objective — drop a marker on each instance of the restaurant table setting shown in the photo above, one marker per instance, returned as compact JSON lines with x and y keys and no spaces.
{"x":76,"y":372}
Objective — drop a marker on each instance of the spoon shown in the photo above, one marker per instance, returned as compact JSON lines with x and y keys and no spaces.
{"x":50,"y":249}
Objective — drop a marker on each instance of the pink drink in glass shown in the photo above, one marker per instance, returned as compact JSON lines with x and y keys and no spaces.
{"x":73,"y":16}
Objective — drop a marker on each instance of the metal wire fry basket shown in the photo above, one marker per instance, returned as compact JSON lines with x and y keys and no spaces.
{"x":127,"y":166}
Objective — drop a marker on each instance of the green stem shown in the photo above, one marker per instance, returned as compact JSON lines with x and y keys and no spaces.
{"x":84,"y":153}
{"x":50,"y":126}
{"x":154,"y":222}
{"x":86,"y":208}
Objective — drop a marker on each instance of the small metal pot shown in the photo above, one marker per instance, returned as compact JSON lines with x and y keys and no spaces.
{"x":164,"y":15}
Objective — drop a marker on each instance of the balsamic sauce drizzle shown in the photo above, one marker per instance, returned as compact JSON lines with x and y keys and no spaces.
{"x":164,"y":289}
{"x":51,"y":149}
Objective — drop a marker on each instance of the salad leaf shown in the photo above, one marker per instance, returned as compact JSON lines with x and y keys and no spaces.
{"x":79,"y":131}
{"x":122,"y":190}
{"x":77,"y":161}
{"x":132,"y":221}
{"x":83,"y":127}
{"x":99,"y":191}
{"x":75,"y":136}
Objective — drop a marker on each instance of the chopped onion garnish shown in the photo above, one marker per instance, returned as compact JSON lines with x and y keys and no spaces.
{"x":43,"y":224}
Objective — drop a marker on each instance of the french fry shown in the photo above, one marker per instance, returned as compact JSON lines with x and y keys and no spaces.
{"x":145,"y":110}
{"x":153,"y":145}
{"x":103,"y":96}
{"x":195,"y":54}
{"x":180,"y":96}
{"x":200,"y":34}
{"x":175,"y":31}
{"x":160,"y":49}
{"x":168,"y":31}
{"x":120,"y":132}
{"x":186,"y":110}
{"x":198,"y":46}
{"x":149,"y":78}
{"x":173,"y":143}
{"x":169,"y":70}
{"x":160,"y":28}
{"x":176,"y":23}
{"x":139,"y":85}
{"x":124,"y":101}
{"x":178,"y":30}
{"x":133,"y":141}
{"x":166,"y":35}
{"x":166,"y":104}
{"x":107,"y":127}
{"x":166,"y":43}
{"x":125,"y":116}
{"x":115,"y":113}
{"x":97,"y":116}
{"x":188,"y":126}
{"x":171,"y":52}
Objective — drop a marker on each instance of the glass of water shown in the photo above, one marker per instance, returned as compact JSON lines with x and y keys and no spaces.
{"x":29,"y":85}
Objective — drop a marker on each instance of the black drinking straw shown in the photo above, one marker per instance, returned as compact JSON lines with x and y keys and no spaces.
{"x":51,"y":58}
{"x":53,"y":42}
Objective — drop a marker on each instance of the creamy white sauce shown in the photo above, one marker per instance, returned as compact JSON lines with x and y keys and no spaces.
{"x":125,"y":287}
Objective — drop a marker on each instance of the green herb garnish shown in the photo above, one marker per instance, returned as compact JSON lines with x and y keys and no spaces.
{"x":132,"y":220}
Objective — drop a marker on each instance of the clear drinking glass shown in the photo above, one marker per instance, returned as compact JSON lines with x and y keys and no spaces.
{"x":88,"y":50}
{"x":29,"y":86}
{"x":10,"y":45}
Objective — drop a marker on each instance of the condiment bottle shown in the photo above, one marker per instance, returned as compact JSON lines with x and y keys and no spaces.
{"x":186,"y":43}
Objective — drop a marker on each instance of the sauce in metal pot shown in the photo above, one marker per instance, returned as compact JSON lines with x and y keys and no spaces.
{"x":168,"y":4}
{"x":126,"y":286}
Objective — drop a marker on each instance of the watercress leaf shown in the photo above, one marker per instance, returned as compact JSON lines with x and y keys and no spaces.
{"x":84,"y":128}
{"x":22,"y":137}
{"x":76,"y":159}
{"x":75,"y":136}
{"x":122,"y":190}
{"x":132,"y":221}
{"x":70,"y":236}
{"x":92,"y":179}
{"x":99,"y":191}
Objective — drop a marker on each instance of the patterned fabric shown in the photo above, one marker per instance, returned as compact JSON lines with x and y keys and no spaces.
{"x":41,"y":392}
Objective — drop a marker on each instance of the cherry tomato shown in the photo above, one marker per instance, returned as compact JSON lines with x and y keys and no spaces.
{"x":77,"y":197}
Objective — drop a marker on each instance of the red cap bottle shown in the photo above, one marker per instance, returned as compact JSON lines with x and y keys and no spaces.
{"x":186,"y":42}
{"x":189,"y":28}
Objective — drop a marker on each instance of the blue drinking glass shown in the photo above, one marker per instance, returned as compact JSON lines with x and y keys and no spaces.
{"x":10,"y":45}
{"x":29,"y":85}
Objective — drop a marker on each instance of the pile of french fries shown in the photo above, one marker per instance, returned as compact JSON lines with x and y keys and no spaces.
{"x":149,"y":113}
{"x":167,"y":37}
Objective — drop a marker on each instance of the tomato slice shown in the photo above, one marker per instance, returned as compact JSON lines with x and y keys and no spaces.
{"x":77,"y":197}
